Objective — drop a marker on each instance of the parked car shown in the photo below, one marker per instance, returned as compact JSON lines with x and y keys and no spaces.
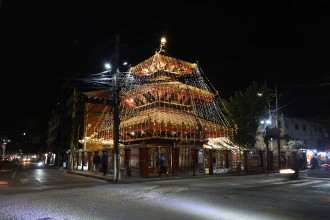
{"x":5,"y":159}
{"x":325,"y":163}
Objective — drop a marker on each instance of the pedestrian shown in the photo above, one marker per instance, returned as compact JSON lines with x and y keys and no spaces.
{"x":105,"y":161}
{"x":314,"y":162}
{"x":162,"y":160}
{"x":96,"y":161}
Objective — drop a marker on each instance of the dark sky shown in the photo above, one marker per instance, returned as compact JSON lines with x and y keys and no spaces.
{"x":45,"y":43}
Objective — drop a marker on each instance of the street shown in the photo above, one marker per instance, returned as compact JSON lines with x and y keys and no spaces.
{"x":28,"y":192}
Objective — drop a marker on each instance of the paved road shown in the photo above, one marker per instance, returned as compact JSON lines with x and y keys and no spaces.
{"x":49,"y":194}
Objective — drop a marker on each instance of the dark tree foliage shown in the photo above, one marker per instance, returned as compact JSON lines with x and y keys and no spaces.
{"x":36,"y":134}
{"x":246,"y":109}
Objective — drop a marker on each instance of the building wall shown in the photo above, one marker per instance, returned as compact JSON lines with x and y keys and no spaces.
{"x":313,"y":134}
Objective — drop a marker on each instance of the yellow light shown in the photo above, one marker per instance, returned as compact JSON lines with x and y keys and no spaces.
{"x":163,"y":40}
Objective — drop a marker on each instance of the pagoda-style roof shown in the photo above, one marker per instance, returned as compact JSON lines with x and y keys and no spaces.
{"x":164,"y":91}
{"x":164,"y":119}
{"x":164,"y":100}
{"x":164,"y":63}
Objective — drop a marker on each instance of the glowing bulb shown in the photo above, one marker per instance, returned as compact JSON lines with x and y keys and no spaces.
{"x":163,"y":40}
{"x":107,"y":66}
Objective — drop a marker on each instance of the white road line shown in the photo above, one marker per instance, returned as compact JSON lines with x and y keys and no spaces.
{"x":307,"y":183}
{"x":24,"y":180}
{"x":322,"y":185}
{"x":14,"y":174}
{"x":286,"y":182}
{"x":41,"y":180}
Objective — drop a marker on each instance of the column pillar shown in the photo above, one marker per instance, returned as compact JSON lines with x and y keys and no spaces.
{"x":90,"y":161}
{"x":126,"y":162}
{"x":82,"y":160}
{"x":144,"y":160}
{"x":175,"y":161}
{"x":210,"y":162}
{"x":246,"y":160}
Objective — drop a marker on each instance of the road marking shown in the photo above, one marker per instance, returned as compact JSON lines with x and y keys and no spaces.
{"x":41,"y":180}
{"x":14,"y":174}
{"x":286,"y":182}
{"x":25,"y":180}
{"x":322,"y":185}
{"x":307,"y":183}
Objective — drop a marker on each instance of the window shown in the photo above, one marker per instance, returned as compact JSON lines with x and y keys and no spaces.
{"x":304,"y":127}
{"x":286,"y":125}
{"x":296,"y":126}
{"x":315,"y":129}
{"x":320,"y":130}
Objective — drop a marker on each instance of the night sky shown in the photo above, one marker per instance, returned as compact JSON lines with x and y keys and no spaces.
{"x":46,"y":43}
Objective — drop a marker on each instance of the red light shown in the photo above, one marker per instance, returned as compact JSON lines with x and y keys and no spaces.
{"x":3,"y":182}
{"x":325,"y":164}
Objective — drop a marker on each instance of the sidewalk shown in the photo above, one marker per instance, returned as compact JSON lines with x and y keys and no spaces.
{"x":123,"y":179}
{"x":128,"y":180}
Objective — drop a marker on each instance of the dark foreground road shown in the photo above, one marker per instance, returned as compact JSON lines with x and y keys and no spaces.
{"x":49,"y":194}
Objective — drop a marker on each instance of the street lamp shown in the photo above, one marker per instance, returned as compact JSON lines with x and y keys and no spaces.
{"x":116,"y":122}
{"x":107,"y":66}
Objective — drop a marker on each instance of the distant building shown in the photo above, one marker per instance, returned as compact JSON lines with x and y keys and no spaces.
{"x":63,"y":127}
{"x":312,"y":133}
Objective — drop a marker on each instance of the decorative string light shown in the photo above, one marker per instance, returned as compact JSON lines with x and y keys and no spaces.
{"x":168,"y":99}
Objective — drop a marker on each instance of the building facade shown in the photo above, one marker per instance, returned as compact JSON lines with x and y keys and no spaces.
{"x":168,"y":109}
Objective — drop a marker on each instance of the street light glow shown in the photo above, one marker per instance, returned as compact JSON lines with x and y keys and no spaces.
{"x":125,"y":63}
{"x":107,"y":66}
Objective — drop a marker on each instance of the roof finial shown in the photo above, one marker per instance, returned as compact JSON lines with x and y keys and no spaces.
{"x":162,"y":45}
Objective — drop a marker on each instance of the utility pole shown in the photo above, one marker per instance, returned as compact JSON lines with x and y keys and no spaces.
{"x":276,"y":125}
{"x":116,"y":119}
{"x":73,"y":117}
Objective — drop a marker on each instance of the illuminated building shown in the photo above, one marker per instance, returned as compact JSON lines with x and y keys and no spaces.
{"x":167,"y":107}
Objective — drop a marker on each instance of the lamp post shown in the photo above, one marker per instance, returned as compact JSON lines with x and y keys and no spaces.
{"x":116,"y":119}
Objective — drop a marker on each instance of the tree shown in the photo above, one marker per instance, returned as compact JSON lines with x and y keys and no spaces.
{"x":246,"y":109}
{"x":36,"y":134}
{"x":293,"y":145}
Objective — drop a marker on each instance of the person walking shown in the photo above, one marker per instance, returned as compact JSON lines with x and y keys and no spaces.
{"x":96,"y":161}
{"x":162,"y":164}
{"x":105,"y":161}
{"x":315,"y":162}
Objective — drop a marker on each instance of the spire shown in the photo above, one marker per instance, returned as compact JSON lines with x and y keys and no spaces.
{"x":162,"y":45}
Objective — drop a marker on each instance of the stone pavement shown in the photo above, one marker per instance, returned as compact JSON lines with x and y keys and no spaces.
{"x":123,"y":179}
{"x":128,"y":180}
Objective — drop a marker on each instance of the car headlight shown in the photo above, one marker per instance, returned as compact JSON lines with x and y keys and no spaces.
{"x":40,"y":164}
{"x":287,"y":171}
